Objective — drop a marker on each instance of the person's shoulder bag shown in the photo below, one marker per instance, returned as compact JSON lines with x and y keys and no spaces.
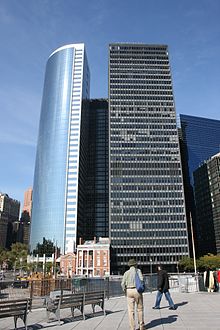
{"x":140,"y":286}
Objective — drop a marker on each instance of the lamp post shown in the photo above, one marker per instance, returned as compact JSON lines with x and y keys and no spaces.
{"x":193,"y":246}
{"x":151,"y":273}
{"x":177,"y":267}
{"x":194,"y":253}
{"x":15,"y":267}
{"x":20,"y":266}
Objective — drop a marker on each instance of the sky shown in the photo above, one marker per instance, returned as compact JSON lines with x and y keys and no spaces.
{"x":30,"y":30}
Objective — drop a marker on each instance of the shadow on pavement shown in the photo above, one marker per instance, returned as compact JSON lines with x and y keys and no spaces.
{"x":113,"y":312}
{"x":177,"y":305}
{"x":163,"y":320}
{"x":54,"y":322}
{"x":181,"y":304}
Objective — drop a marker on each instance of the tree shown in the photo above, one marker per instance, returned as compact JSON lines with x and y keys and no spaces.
{"x":210,"y":260}
{"x":17,"y":256}
{"x":47,"y":248}
{"x":3,"y":256}
{"x":186,"y":264}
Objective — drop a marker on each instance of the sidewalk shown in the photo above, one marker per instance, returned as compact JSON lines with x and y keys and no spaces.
{"x":197,"y":311}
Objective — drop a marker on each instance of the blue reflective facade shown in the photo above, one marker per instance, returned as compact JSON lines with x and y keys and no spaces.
{"x":199,"y":141}
{"x":55,"y":191}
{"x":201,"y":138}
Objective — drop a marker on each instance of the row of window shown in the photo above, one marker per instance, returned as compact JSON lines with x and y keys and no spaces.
{"x":131,"y":65}
{"x":115,"y":91}
{"x":145,"y":159}
{"x":160,"y":164}
{"x":150,"y":180}
{"x":163,"y":202}
{"x":146,"y":104}
{"x":137,"y":49}
{"x":156,"y":218}
{"x":139,"y":86}
{"x":152,"y":79}
{"x":123,"y":97}
{"x":147,"y":210}
{"x":149,"y":172}
{"x":140,"y":139}
{"x":158,"y":149}
{"x":133,"y":125}
{"x":149,"y":225}
{"x":158,"y":259}
{"x":156,"y":234}
{"x":123,"y":243}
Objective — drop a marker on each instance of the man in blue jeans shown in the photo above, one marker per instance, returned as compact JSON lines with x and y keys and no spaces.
{"x":163,"y":287}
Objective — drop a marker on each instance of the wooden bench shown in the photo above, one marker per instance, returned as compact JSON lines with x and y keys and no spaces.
{"x":15,"y":308}
{"x":75,"y":301}
{"x":96,"y":298}
{"x":72,"y":301}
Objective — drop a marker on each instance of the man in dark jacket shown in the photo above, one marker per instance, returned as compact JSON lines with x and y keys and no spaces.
{"x":163,"y":287}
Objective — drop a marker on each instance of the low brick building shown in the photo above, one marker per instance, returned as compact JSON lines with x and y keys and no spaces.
{"x":68,"y":264}
{"x":93,"y":258}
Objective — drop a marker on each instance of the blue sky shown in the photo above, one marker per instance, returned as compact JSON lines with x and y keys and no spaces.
{"x":31,"y":29}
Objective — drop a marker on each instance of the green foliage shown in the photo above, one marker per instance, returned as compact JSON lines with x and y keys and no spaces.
{"x":47,"y":248}
{"x":3,"y":256}
{"x":210,"y":260}
{"x":17,"y":256}
{"x":186,"y":264}
{"x":48,"y":267}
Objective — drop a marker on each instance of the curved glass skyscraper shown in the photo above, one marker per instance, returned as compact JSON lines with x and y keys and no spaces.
{"x":58,"y":192}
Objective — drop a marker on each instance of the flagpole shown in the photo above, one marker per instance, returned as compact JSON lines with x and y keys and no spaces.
{"x":194,"y":254}
{"x":193,"y":245}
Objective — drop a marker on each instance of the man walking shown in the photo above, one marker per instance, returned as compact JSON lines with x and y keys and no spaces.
{"x":133,"y":296}
{"x":163,"y":287}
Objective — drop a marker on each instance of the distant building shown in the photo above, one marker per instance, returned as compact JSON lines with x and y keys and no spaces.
{"x":3,"y":232}
{"x":199,"y":140}
{"x":207,"y":199}
{"x":97,"y":197}
{"x":23,"y":233}
{"x":68,"y":264}
{"x":93,"y":258}
{"x":27,"y":206}
{"x":9,"y":214}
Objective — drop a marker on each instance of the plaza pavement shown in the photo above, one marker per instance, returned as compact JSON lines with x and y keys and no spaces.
{"x":197,"y":311}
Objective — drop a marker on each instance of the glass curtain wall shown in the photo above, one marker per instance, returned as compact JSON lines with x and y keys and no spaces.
{"x":147,"y":211}
{"x":56,"y":202}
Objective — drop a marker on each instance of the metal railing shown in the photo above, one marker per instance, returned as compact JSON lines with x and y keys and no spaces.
{"x":38,"y":290}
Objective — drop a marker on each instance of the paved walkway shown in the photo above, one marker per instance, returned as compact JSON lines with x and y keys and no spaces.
{"x":197,"y":311}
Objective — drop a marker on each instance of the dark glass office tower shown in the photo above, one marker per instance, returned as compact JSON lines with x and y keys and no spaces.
{"x":97,"y":180}
{"x":199,"y":141}
{"x":207,"y":198}
{"x":201,"y":137}
{"x":147,"y":212}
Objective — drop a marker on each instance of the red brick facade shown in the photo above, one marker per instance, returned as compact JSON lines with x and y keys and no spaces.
{"x":93,"y":259}
{"x":68,"y":264}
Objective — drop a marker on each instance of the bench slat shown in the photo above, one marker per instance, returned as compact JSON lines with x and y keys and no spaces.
{"x":76,"y":300}
{"x":15,"y":308}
